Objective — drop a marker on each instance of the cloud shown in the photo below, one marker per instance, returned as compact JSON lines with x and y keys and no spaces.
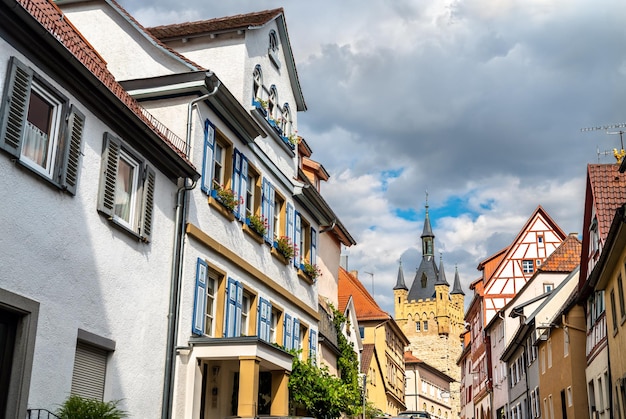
{"x":479,"y":102}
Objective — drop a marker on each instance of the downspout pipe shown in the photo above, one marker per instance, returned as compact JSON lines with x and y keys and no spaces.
{"x":177,"y":271}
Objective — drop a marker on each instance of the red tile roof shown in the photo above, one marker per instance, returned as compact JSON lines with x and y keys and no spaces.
{"x":565,"y":258}
{"x":365,"y":306}
{"x":409,"y":358}
{"x":366,"y":357}
{"x":52,"y":19}
{"x":608,"y":187}
{"x":222,"y":24}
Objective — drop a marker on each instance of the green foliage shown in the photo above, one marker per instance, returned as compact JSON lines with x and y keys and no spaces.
{"x":76,"y":407}
{"x":320,"y":393}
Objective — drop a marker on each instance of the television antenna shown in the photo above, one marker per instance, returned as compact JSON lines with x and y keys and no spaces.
{"x":619,"y":155}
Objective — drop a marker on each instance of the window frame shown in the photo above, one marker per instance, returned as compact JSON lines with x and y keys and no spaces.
{"x":211,"y":181}
{"x":140,"y":225}
{"x":67,"y":142}
{"x":528,"y":266}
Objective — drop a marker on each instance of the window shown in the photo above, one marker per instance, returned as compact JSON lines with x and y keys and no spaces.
{"x":362,"y":332}
{"x":313,"y":347}
{"x":252,"y":198}
{"x":286,"y":125}
{"x":425,"y":325}
{"x":548,"y":287}
{"x":266,"y":325}
{"x":208,"y":283}
{"x":38,"y":129}
{"x":418,"y":327}
{"x":549,"y":344}
{"x":273,"y":49}
{"x":540,"y":238}
{"x":620,"y":295}
{"x":291,"y":333}
{"x":127,"y":188}
{"x":595,"y":237}
{"x":245,"y":314}
{"x":272,"y":103}
{"x":257,"y":84}
{"x":217,"y":153}
{"x":239,"y":183}
{"x":90,"y":364}
{"x":234,"y":304}
{"x":613,"y":311}
{"x":570,"y":400}
{"x":528,"y":266}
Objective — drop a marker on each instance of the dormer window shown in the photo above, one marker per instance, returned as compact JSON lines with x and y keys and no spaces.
{"x":257,"y":85}
{"x":286,"y":123}
{"x":272,"y":107}
{"x":272,"y":49}
{"x":594,"y":236}
{"x":424,"y":280}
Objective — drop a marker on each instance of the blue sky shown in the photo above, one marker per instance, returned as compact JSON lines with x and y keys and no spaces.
{"x":478,"y":102}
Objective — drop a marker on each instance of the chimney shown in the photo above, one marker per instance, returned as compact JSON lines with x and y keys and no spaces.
{"x":355,"y":274}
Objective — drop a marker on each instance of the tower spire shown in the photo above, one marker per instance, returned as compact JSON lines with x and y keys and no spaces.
{"x":428,"y":238}
{"x":400,"y":285}
{"x":456,"y":288}
{"x":441,"y":278}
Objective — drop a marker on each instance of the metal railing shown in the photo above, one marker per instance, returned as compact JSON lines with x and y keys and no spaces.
{"x":41,"y":414}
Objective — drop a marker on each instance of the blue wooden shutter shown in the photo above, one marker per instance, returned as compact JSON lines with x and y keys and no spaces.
{"x":313,"y":346}
{"x":272,"y":198}
{"x":265,"y":317}
{"x":243,"y":188}
{"x":296,"y":334}
{"x":238,"y":309}
{"x":297,"y":234}
{"x":313,"y":260}
{"x":207,"y":162}
{"x":236,"y":181}
{"x":287,"y":332}
{"x":199,"y":301}
{"x":231,"y":309}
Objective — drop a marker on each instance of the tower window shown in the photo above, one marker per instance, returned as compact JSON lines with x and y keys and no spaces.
{"x":424,"y":280}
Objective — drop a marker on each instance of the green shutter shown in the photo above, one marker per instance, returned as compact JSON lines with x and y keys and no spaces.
{"x":72,"y":152}
{"x":147,"y":209}
{"x":14,"y":108}
{"x":110,"y":159}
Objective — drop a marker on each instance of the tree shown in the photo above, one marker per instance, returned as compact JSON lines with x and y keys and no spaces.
{"x":320,"y":393}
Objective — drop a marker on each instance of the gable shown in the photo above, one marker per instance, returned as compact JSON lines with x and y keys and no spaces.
{"x":130,"y":52}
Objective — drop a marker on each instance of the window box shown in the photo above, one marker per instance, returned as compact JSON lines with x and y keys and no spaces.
{"x":287,"y":141}
{"x":217,"y":204}
{"x":278,"y":255}
{"x":310,"y":270}
{"x":285,"y":246}
{"x":260,"y":106}
{"x":305,"y":277}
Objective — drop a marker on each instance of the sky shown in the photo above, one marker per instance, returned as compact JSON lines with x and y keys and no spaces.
{"x":477,"y":104}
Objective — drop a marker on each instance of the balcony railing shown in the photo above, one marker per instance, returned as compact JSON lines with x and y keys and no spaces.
{"x":597,"y":334}
{"x":41,"y":414}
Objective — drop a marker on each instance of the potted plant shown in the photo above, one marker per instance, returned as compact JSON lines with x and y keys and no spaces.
{"x":310,"y":269}
{"x":258,"y":223}
{"x":285,"y":247}
{"x":226,"y":197}
{"x":76,"y":407}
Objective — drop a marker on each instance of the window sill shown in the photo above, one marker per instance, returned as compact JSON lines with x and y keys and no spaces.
{"x":302,"y":275}
{"x":215,"y":204}
{"x":279,"y":256}
{"x":123,"y":227}
{"x":252,"y":233}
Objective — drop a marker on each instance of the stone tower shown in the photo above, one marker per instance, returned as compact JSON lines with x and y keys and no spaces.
{"x":430,"y":313}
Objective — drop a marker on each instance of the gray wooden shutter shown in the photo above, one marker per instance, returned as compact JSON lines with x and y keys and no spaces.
{"x":89,"y":371}
{"x":110,"y":159}
{"x":71,"y":154}
{"x":14,"y":108}
{"x":147,"y":208}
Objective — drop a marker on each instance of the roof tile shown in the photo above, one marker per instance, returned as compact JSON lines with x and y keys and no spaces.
{"x":608,"y":187}
{"x":565,"y":258}
{"x":365,"y":306}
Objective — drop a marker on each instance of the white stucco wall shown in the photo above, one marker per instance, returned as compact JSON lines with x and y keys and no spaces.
{"x":128,"y":54}
{"x":85,"y":273}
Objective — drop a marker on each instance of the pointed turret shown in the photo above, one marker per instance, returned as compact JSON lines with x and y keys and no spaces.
{"x":428,"y":238}
{"x":441,"y":278}
{"x":400,"y":285}
{"x":456,"y":288}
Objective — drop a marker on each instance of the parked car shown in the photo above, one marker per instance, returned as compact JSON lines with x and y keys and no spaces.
{"x":414,"y":414}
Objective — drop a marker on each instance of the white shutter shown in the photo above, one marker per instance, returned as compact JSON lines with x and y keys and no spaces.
{"x":89,"y":371}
